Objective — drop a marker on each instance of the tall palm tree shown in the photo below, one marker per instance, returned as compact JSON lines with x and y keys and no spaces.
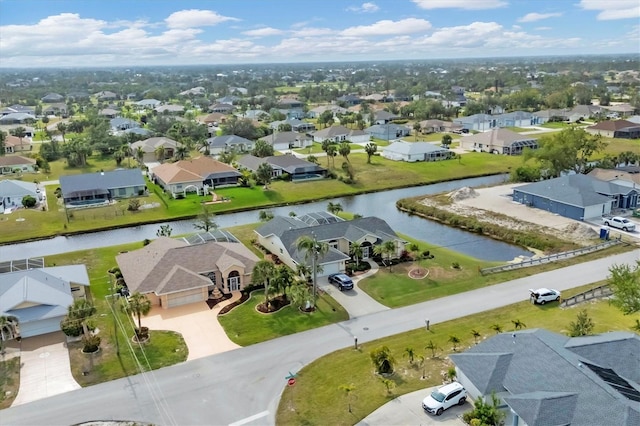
{"x":345,"y":149}
{"x":160,"y":154}
{"x":182,"y":152}
{"x":314,"y":251}
{"x":263,"y":272}
{"x":140,"y":154}
{"x":331,"y":154}
{"x":355,"y":250}
{"x":370,"y":149}
{"x":62,"y":128}
{"x":138,"y":305}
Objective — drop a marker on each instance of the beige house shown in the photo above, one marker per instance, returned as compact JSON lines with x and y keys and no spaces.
{"x":14,"y":144}
{"x":609,"y":128}
{"x":149,"y":147}
{"x":11,"y":163}
{"x":194,"y":175}
{"x":173,"y":273}
{"x":498,"y":141}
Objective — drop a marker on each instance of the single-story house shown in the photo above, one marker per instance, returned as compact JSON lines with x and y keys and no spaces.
{"x":214,"y":119}
{"x":101,"y":187}
{"x":106,"y":95}
{"x":625,"y":176}
{"x":148,"y":103}
{"x":191,"y":175}
{"x":18,"y":108}
{"x":10,"y":163}
{"x":119,"y":124}
{"x":14,"y":144}
{"x":384,"y":117}
{"x":17,"y":118}
{"x":317,"y":111}
{"x":231,"y":99}
{"x":614,"y":128}
{"x":51,"y":98}
{"x":109,"y":112}
{"x":173,"y":273}
{"x":151,"y":145}
{"x":439,"y":126}
{"x":416,"y":151}
{"x":290,"y":103}
{"x":339,"y":134}
{"x":255,"y":114}
{"x":543,"y":378}
{"x":195,"y":91}
{"x":283,"y":141}
{"x":227,"y":143}
{"x":296,"y":168}
{"x":498,"y":141}
{"x":388,"y":132}
{"x":349,"y":99}
{"x":280,"y":234}
{"x":39,"y":297}
{"x":13,"y":191}
{"x":483,"y":122}
{"x":296,"y":125}
{"x":55,"y":109}
{"x":222,"y":108}
{"x":169,"y":109}
{"x":577,"y":196}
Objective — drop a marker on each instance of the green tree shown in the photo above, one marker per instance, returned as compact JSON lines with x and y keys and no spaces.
{"x":242,"y":127}
{"x":28,"y":201}
{"x":517,"y":324}
{"x":582,"y":326}
{"x":446,"y":140}
{"x":262,"y":149}
{"x":334,"y":208}
{"x":497,"y":328}
{"x":370,"y":149}
{"x":76,"y":319}
{"x":455,"y":341}
{"x":382,"y":360}
{"x":485,"y":413}
{"x":476,"y":335}
{"x":206,"y":220}
{"x":265,"y":215}
{"x":8,"y":329}
{"x":164,"y":231}
{"x":140,"y":154}
{"x":388,"y":384}
{"x":3,"y":140}
{"x":416,"y":129}
{"x":348,"y":390}
{"x":264,"y":174}
{"x":625,"y":284}
{"x":298,"y":293}
{"x":314,"y":250}
{"x":386,"y":250}
{"x":433,"y":347}
{"x":139,"y":305}
{"x":356,"y":250}
{"x":181,"y":152}
{"x":332,"y":151}
{"x":410,"y":353}
{"x":263,"y":272}
{"x":345,"y":149}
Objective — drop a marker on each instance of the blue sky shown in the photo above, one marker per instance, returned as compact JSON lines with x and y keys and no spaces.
{"x":62,"y":33}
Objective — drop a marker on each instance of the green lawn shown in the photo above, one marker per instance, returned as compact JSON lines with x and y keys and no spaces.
{"x":316,"y":148}
{"x":317,"y":399}
{"x":555,"y":125}
{"x":519,"y":129}
{"x":245,"y":326}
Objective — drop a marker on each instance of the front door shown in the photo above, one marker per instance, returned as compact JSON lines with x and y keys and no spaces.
{"x":233,"y":282}
{"x":365,"y":252}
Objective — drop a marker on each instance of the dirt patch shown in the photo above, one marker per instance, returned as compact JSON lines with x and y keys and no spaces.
{"x":275,"y":305}
{"x":418,"y":273}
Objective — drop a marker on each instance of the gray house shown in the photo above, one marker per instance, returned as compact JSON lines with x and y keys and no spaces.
{"x":227,"y":143}
{"x":280,"y":234}
{"x":296,"y":168}
{"x":543,"y":378}
{"x":388,"y":132}
{"x":102,"y":187}
{"x":416,"y":151}
{"x":39,"y":298}
{"x":13,"y":191}
{"x":577,"y":196}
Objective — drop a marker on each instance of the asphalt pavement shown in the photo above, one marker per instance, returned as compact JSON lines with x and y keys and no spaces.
{"x":243,"y":386}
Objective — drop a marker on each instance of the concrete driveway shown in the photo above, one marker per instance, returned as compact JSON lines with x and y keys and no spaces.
{"x":407,"y":410}
{"x":45,"y":369}
{"x":356,"y":302}
{"x":198,"y":325}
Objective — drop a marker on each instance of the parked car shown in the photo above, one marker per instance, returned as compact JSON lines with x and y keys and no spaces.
{"x":620,"y":223}
{"x":444,"y":398}
{"x":544,"y":295}
{"x":342,"y":281}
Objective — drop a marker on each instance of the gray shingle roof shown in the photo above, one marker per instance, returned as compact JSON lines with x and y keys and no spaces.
{"x":101,"y":180}
{"x":546,"y":368}
{"x":228,"y":140}
{"x":577,"y":190}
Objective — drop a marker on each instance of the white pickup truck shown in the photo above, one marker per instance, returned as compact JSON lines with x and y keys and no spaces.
{"x":620,"y":223}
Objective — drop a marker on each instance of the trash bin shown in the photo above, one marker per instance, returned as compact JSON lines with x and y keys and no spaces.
{"x":604,"y":233}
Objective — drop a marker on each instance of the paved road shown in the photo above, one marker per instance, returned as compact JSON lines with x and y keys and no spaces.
{"x":243,"y":386}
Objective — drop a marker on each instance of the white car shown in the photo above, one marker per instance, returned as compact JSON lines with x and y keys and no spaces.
{"x":544,"y":295}
{"x":444,"y":397}
{"x":620,"y":223}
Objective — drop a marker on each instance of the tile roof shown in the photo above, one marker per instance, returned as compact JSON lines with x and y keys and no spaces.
{"x":612,"y":125}
{"x":150,"y":145}
{"x":332,"y":132}
{"x":15,"y":160}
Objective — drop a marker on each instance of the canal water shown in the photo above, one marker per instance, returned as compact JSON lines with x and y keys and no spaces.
{"x":380,"y":204}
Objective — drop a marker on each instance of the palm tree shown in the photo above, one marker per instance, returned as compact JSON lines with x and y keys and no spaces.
{"x":334,"y":208}
{"x":62,"y":128}
{"x":476,"y":335}
{"x":182,"y":152}
{"x":382,"y":360}
{"x":432,"y":347}
{"x":8,"y":329}
{"x":387,"y":249}
{"x":314,"y":251}
{"x":497,"y":328}
{"x":370,"y":149}
{"x":140,"y":154}
{"x":263,"y":272}
{"x":325,"y":147}
{"x":160,"y":154}
{"x":355,"y":250}
{"x":416,"y":129}
{"x":137,"y":304}
{"x":345,"y":149}
{"x":347,"y":391}
{"x":517,"y":324}
{"x":410,"y":353}
{"x":454,"y":340}
{"x":331,"y":153}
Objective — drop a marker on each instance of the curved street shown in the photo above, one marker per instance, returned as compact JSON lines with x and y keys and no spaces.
{"x":243,"y":386}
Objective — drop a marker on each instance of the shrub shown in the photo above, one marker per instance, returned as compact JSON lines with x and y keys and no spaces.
{"x":134,"y":205}
{"x":28,"y":201}
{"x":71,"y":327}
{"x":382,"y":360}
{"x":90,"y":343}
{"x":455,"y":265}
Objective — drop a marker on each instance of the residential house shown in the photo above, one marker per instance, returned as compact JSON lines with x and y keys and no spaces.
{"x":483,"y":122}
{"x":106,"y":95}
{"x":280,"y":236}
{"x":195,"y":91}
{"x":173,"y":273}
{"x":339,"y":134}
{"x":13,"y":191}
{"x":9,"y":129}
{"x":349,"y":100}
{"x":17,"y":118}
{"x":222,"y":108}
{"x":214,"y":119}
{"x":577,"y":196}
{"x":623,"y":110}
{"x":543,"y":378}
{"x":169,"y":109}
{"x":109,"y":113}
{"x":283,"y":141}
{"x":291,"y":108}
{"x":615,"y":129}
{"x":289,"y":165}
{"x":17,"y":108}
{"x":625,"y":176}
{"x":256,"y":114}
{"x":14,"y":144}
{"x":498,"y":141}
{"x":119,"y":124}
{"x":439,"y":126}
{"x":384,"y":117}
{"x":55,"y":109}
{"x":388,"y":132}
{"x":148,"y":103}
{"x":317,"y":111}
{"x":76,"y":96}
{"x":228,"y":100}
{"x":296,"y":125}
{"x":51,"y":98}
{"x":10,"y":164}
{"x":228,"y":143}
{"x":101,"y":187}
{"x":416,"y":151}
{"x":191,"y":175}
{"x":40,"y":297}
{"x":151,"y":146}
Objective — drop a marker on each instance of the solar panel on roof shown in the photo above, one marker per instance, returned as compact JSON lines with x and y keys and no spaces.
{"x":615,"y":381}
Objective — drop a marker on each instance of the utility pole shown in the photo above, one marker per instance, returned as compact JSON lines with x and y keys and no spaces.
{"x":113,"y":311}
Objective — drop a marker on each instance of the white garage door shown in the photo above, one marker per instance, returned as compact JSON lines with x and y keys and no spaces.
{"x":185,"y":298}
{"x":36,"y":328}
{"x":328,"y":269}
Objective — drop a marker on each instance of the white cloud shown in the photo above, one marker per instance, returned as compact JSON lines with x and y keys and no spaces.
{"x":613,"y":9}
{"x":263,"y":32}
{"x":312,"y":32}
{"x":364,"y":8}
{"x":543,"y":28}
{"x":460,"y":4}
{"x":533,"y":17}
{"x":196,"y":18}
{"x":388,"y":27}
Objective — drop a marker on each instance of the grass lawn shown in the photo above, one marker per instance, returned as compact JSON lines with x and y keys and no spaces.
{"x":518,"y":129}
{"x":432,"y":137}
{"x":317,"y":399}
{"x":245,"y":326}
{"x":316,"y":148}
{"x":9,"y":381}
{"x":555,"y":125}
